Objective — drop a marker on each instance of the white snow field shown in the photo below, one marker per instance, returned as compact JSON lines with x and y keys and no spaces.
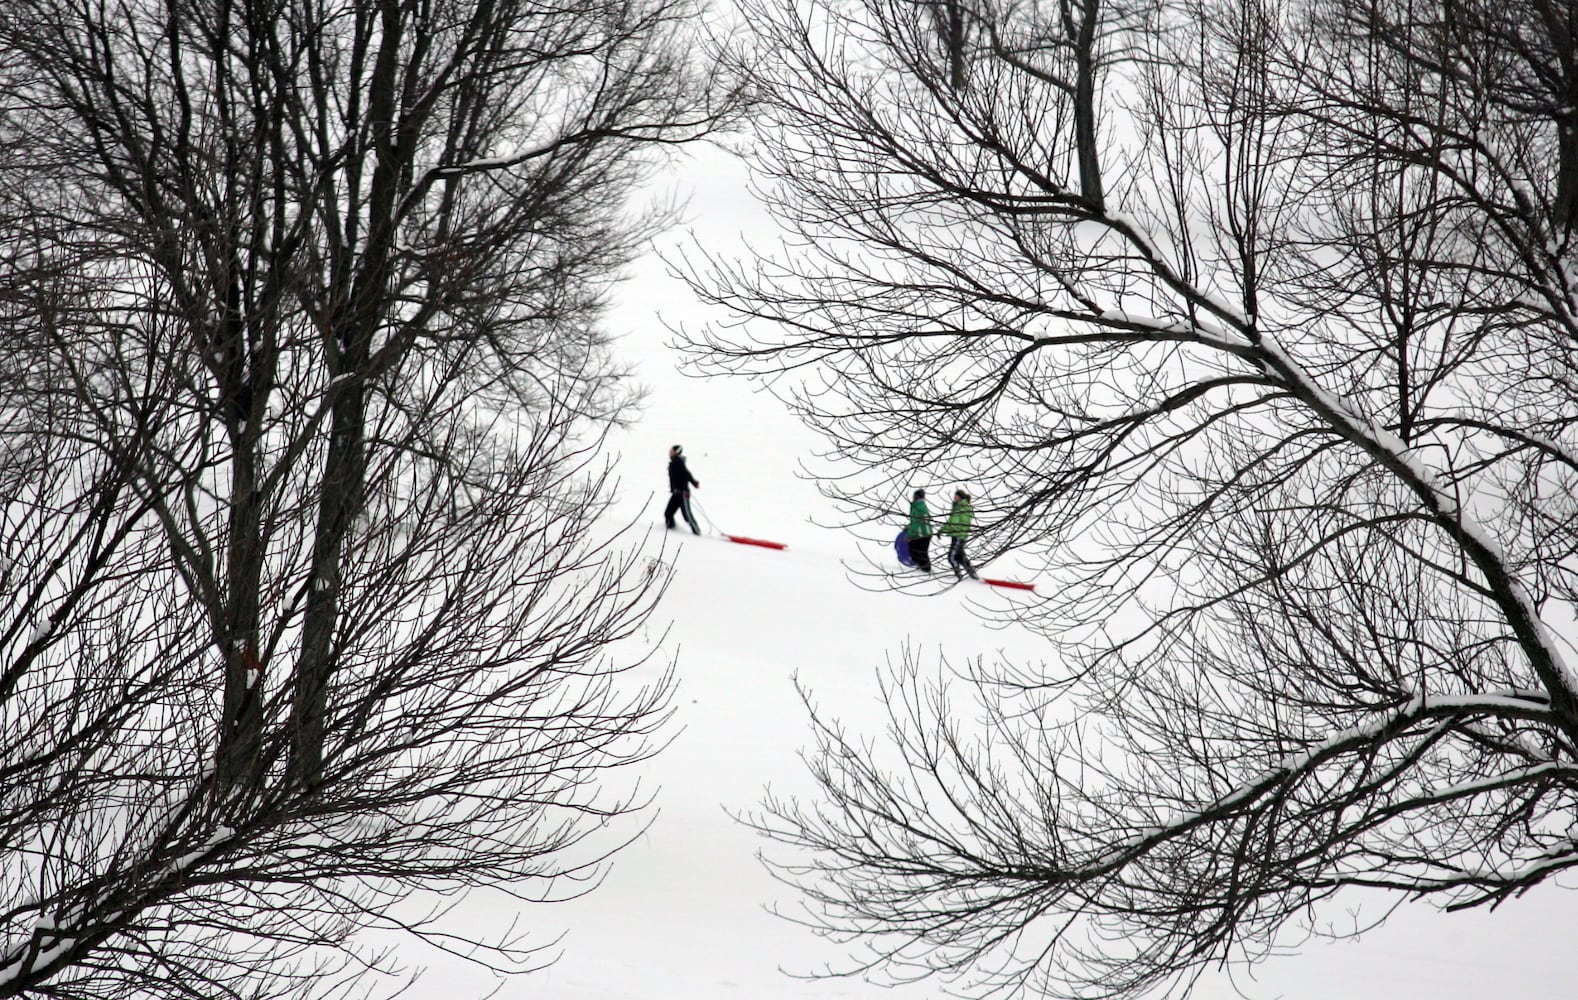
{"x":682,"y":915}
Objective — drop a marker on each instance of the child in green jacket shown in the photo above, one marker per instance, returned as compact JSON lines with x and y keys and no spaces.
{"x":960,"y":516}
{"x":919,"y":531}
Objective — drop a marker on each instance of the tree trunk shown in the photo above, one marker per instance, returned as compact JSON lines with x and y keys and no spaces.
{"x":1085,"y":124}
{"x":345,"y":465}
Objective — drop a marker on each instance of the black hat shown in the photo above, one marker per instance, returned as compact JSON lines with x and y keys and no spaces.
{"x":919,"y":494}
{"x":961,"y":493}
{"x":677,"y":450}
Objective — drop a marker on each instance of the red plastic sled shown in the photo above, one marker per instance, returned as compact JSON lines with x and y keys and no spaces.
{"x":1010,"y":584}
{"x":755,"y":541}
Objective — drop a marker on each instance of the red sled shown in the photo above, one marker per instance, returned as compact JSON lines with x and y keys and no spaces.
{"x":1010,"y":584}
{"x":755,"y":541}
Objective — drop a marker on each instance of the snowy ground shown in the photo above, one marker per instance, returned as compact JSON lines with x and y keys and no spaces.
{"x":682,"y":913}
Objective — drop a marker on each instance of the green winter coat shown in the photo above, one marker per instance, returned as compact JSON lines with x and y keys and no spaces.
{"x":959,"y":518}
{"x":920,"y":520}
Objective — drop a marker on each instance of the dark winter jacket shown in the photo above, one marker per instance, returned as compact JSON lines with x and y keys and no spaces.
{"x":920,"y":520}
{"x":679,"y":477}
{"x":959,"y":518}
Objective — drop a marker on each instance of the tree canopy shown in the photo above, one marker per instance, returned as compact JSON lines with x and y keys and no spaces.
{"x":1252,"y":323}
{"x":311,"y":609}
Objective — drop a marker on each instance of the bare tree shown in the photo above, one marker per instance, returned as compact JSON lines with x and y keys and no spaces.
{"x":1288,"y":413}
{"x":309,"y":606}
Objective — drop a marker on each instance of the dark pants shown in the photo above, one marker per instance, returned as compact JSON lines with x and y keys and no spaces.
{"x":919,"y":551}
{"x":958,"y":560}
{"x":680,"y":501}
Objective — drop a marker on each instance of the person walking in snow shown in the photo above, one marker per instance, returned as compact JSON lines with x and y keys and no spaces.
{"x":919,"y":531}
{"x":960,"y":516}
{"x":679,"y":483}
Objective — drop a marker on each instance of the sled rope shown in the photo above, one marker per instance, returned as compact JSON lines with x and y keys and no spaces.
{"x":712,"y":529}
{"x":738,"y":539}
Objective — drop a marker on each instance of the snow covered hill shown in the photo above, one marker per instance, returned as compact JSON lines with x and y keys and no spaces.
{"x":681,"y":916}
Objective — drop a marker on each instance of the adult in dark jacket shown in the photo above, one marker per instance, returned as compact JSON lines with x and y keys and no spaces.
{"x":919,"y":531}
{"x":679,"y":483}
{"x":960,"y":517}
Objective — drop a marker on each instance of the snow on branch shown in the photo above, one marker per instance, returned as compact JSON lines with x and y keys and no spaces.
{"x":1507,"y":704}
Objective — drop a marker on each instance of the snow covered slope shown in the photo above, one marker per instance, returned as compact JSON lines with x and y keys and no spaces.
{"x":681,"y":916}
